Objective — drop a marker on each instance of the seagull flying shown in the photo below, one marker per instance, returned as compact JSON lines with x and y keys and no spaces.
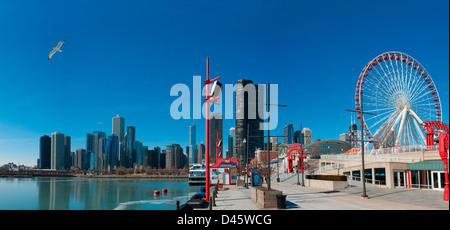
{"x":56,"y":49}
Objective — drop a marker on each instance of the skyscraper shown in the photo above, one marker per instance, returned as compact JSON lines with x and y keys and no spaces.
{"x":44,"y":152}
{"x":231,"y":137}
{"x":216,"y":129}
{"x":57,"y":155}
{"x":80,"y":159}
{"x":192,"y":143}
{"x":201,"y":153}
{"x":67,"y":159}
{"x":137,"y":148}
{"x":99,"y":149}
{"x":156,"y":157}
{"x":307,"y":135}
{"x":118,"y":127}
{"x":248,"y":99}
{"x":174,"y":156}
{"x":288,"y":133}
{"x":113,"y":152}
{"x":192,"y":135}
{"x":129,"y":141}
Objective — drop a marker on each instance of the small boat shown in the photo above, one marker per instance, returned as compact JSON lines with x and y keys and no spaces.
{"x":197,"y":174}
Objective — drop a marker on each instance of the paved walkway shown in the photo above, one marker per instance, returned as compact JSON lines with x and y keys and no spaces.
{"x":305,"y":198}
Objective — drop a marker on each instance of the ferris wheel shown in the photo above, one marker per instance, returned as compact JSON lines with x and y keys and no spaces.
{"x":399,"y":94}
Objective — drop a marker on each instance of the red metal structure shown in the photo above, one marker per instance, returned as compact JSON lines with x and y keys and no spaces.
{"x":439,"y":128}
{"x":291,"y":151}
{"x":208,"y":100}
{"x":433,"y":128}
{"x":443,"y":152}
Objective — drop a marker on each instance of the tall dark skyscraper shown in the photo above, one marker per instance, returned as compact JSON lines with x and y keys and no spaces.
{"x":129,"y":138}
{"x":248,"y":99}
{"x":215,"y":129}
{"x":44,"y":152}
{"x":192,"y":143}
{"x":288,"y":133}
{"x":67,"y":159}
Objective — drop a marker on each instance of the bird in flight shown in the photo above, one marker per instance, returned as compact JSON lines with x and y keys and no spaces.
{"x":57,"y":48}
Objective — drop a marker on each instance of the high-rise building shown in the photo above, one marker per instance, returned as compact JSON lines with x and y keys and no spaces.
{"x":45,"y":144}
{"x":99,"y":149}
{"x":113,"y":153}
{"x":174,"y":156}
{"x":192,"y":143}
{"x":215,"y":131}
{"x":353,"y":134}
{"x":307,"y":135}
{"x":201,"y":153}
{"x":137,"y":148}
{"x":231,"y":138}
{"x":80,"y":158}
{"x":118,"y":127}
{"x":156,"y":157}
{"x":58,"y":151}
{"x":162,"y":159}
{"x":192,"y":135}
{"x":275,"y":143}
{"x":67,"y":159}
{"x":288,"y":134}
{"x":297,"y":137}
{"x":129,"y":141}
{"x":248,"y":99}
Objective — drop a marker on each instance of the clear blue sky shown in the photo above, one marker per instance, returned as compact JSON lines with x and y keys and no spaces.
{"x":122,"y":57}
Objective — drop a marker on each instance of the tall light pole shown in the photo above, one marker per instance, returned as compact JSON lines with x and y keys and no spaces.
{"x":361,"y":119}
{"x":208,"y":99}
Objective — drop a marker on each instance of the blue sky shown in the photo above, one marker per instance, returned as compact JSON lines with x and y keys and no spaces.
{"x":122,"y":57}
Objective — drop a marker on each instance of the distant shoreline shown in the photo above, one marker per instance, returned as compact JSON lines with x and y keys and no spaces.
{"x":133,"y":176}
{"x":28,"y":174}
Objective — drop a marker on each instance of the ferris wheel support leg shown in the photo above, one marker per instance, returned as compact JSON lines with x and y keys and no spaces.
{"x":419,"y":130}
{"x":402,"y":123}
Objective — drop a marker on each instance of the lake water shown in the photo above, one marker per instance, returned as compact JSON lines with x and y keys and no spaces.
{"x":79,"y":193}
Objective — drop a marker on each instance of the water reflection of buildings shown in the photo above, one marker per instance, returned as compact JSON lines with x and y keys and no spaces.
{"x":102,"y":193}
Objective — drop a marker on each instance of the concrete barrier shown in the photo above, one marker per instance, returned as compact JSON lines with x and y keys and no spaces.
{"x":264,"y":198}
{"x":326,"y":184}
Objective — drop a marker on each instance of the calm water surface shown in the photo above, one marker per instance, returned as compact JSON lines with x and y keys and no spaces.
{"x":78,"y":193}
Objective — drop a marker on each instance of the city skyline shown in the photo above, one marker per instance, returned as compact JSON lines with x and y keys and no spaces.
{"x":125,"y":60}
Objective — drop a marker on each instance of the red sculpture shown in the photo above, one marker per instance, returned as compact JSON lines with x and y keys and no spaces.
{"x":295,"y":149}
{"x":433,"y":128}
{"x":443,"y":152}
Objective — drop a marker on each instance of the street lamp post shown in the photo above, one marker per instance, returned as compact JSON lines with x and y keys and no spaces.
{"x":361,"y":119}
{"x":208,"y":99}
{"x":363,"y":178}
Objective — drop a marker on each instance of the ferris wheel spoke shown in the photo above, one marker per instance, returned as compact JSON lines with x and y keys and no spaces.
{"x":391,"y":109}
{"x":379,"y":117}
{"x":420,"y":94}
{"x":385,"y":80}
{"x":380,"y":85}
{"x":386,"y":122}
{"x":385,"y":128}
